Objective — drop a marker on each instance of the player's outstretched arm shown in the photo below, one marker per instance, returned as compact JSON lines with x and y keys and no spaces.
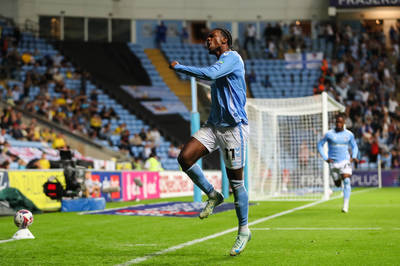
{"x":217,"y":70}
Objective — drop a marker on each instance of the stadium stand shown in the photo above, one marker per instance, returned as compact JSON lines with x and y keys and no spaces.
{"x":283,"y":82}
{"x":64,"y":88}
{"x":159,"y":89}
{"x":364,"y":81}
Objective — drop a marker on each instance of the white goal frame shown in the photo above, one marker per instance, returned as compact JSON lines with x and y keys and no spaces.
{"x":265,"y":127}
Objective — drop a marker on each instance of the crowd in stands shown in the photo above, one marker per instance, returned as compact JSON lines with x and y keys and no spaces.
{"x":364,"y":75}
{"x":77,"y":110}
{"x":12,"y":127}
{"x":361,"y":70}
{"x":279,"y":38}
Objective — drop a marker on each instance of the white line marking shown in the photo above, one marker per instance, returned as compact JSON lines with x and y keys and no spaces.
{"x":317,"y":228}
{"x":305,"y":228}
{"x":199,"y":240}
{"x":7,"y":240}
{"x":111,"y":209}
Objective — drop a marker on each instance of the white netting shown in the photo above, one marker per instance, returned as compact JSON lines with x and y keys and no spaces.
{"x":284,"y":163}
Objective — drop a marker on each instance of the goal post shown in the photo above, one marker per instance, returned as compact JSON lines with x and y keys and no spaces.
{"x":284,"y":163}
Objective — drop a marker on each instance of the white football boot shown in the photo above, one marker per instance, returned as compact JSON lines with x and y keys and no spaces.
{"x":240,"y":243}
{"x":212,"y":202}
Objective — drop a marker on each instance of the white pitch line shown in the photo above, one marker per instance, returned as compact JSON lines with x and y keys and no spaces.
{"x":317,"y":228}
{"x":199,"y":240}
{"x":7,"y":240}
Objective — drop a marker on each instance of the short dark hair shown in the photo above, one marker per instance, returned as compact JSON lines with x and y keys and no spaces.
{"x":342,"y":115}
{"x":227,"y":34}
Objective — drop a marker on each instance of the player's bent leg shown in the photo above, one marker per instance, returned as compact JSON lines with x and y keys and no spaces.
{"x":346,"y":193}
{"x":191,"y":152}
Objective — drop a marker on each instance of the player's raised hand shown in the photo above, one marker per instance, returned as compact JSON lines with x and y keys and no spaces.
{"x":173,"y":64}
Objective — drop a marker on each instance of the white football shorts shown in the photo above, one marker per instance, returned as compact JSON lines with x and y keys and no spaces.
{"x":340,"y":168}
{"x":231,"y":140}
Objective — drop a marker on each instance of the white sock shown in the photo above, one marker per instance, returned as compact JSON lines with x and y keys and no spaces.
{"x":212,"y":194}
{"x":244,"y":228}
{"x":346,"y":204}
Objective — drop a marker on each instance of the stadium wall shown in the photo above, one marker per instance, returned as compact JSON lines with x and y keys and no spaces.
{"x":163,"y":184}
{"x":210,"y":10}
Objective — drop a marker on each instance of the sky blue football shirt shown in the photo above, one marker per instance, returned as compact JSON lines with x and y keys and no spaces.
{"x":228,"y":90}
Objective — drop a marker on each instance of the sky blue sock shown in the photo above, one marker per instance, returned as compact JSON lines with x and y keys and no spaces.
{"x":241,"y":201}
{"x":346,"y":188}
{"x":196,"y":174}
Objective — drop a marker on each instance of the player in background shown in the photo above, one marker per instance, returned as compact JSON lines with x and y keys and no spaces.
{"x":338,"y":156}
{"x":226,"y":128}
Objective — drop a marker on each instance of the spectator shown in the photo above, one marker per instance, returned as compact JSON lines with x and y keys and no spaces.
{"x":16,"y":94}
{"x":143,"y":134}
{"x":392,"y":104}
{"x":173,"y":151}
{"x":3,"y":136}
{"x":137,"y":164}
{"x":184,"y":35}
{"x":27,"y":58}
{"x":250,"y":36}
{"x":119,"y":129}
{"x":366,"y":130}
{"x":154,"y":136}
{"x":251,"y":78}
{"x":267,"y":82}
{"x":147,"y":151}
{"x":374,"y":149}
{"x":267,"y":34}
{"x":16,"y":163}
{"x":136,"y":140}
{"x":161,"y":34}
{"x":59,"y":142}
{"x":43,"y":163}
{"x":57,"y":59}
{"x":105,"y":132}
{"x":16,"y":132}
{"x":386,"y":160}
{"x":153,"y":164}
{"x":58,"y":77}
{"x":96,"y":124}
{"x":124,"y":141}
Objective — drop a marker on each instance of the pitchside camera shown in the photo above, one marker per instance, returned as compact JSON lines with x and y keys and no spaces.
{"x":74,"y":179}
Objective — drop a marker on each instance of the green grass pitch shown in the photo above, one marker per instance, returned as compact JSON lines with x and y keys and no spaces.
{"x":319,"y":235}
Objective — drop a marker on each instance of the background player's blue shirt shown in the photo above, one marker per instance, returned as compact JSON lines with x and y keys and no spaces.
{"x":228,"y":91}
{"x":338,"y":145}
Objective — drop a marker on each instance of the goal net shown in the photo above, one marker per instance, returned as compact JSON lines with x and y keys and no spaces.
{"x":284,"y":163}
